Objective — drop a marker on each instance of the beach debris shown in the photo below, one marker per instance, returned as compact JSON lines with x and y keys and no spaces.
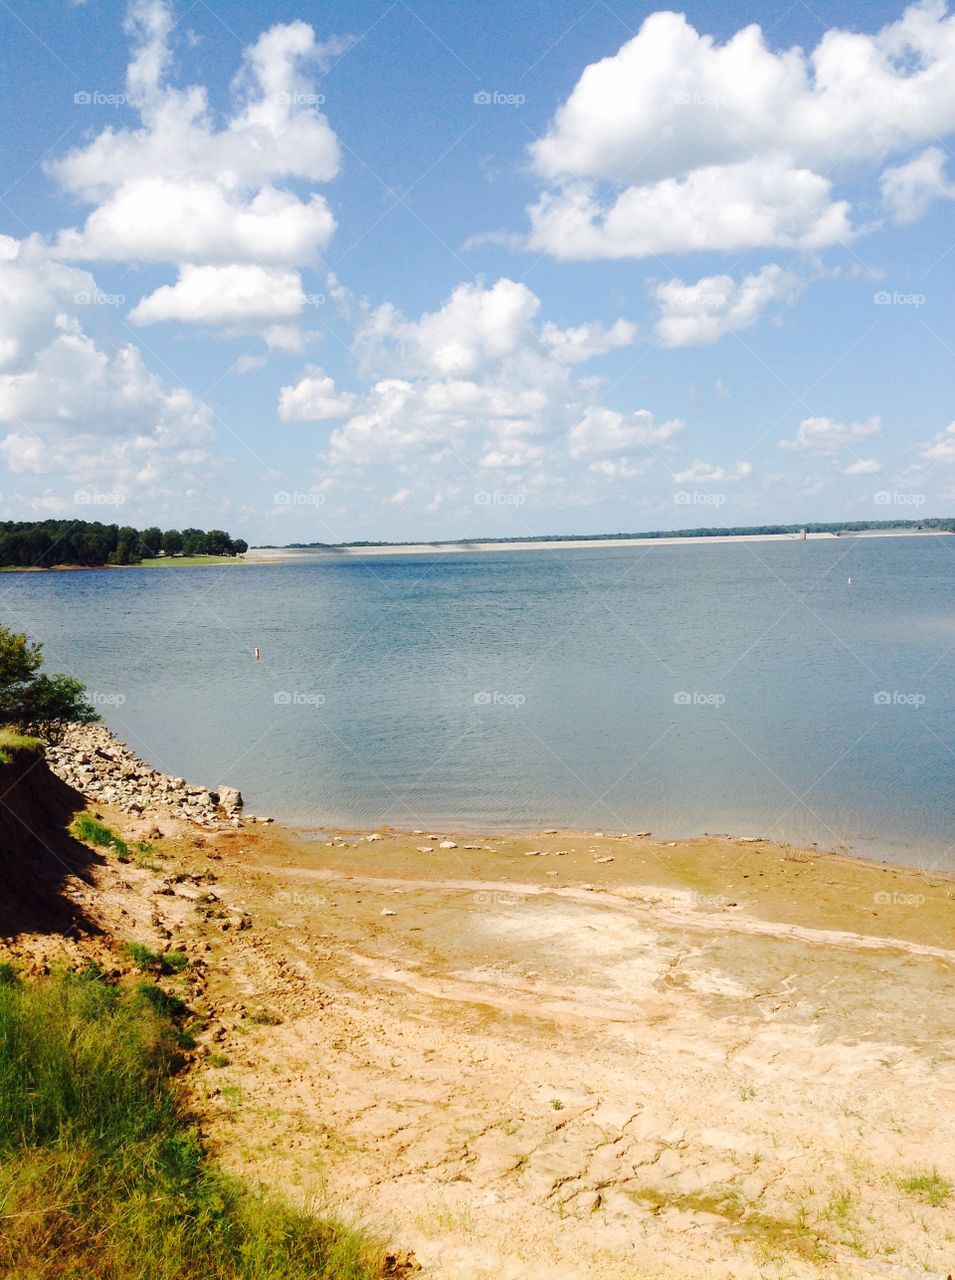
{"x":532,"y":853}
{"x":552,"y":873}
{"x":373,"y":837}
{"x":749,"y":839}
{"x":642,"y":833}
{"x":387,"y":911}
{"x":609,"y":858}
{"x":552,"y":832}
{"x":447,"y":844}
{"x":424,"y":848}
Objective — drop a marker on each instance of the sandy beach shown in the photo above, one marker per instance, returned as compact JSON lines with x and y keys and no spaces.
{"x":266,"y":554}
{"x":566,"y":1054}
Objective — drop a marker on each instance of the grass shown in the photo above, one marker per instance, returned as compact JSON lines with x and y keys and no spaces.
{"x":12,"y":743}
{"x":102,"y":1171}
{"x":88,"y":828}
{"x":928,"y":1185}
{"x":145,"y":959}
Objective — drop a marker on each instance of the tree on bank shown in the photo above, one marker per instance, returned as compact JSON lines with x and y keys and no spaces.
{"x":32,"y":702}
{"x":44,"y":543}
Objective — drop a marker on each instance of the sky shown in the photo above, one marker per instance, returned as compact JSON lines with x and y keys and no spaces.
{"x":437,"y":270}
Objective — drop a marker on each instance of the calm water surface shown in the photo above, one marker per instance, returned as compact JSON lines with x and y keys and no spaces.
{"x":743,"y":688}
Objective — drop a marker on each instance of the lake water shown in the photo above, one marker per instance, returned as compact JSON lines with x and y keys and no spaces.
{"x":744,"y":688}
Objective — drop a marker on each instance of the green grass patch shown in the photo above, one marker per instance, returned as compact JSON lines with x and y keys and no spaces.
{"x":88,"y":828}
{"x":928,"y":1185}
{"x":102,"y":1171}
{"x":13,"y":744}
{"x":145,"y":959}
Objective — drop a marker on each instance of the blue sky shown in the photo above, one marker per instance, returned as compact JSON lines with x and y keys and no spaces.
{"x":390,"y":270}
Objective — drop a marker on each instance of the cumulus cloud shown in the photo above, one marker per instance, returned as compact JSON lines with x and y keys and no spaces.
{"x":942,"y":448}
{"x":70,"y":406}
{"x":864,"y":467}
{"x":314,"y":399}
{"x":910,"y":189}
{"x":585,"y":341}
{"x":673,"y":99}
{"x":706,"y":473}
{"x":605,"y":431}
{"x":236,"y":294}
{"x":754,"y":204}
{"x":704,"y":145}
{"x":826,"y":436}
{"x":696,"y":314}
{"x":183,"y":190}
{"x":481,"y":383}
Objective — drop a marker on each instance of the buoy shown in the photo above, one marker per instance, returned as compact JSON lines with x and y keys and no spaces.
{"x":850,"y":584}
{"x":258,"y":655}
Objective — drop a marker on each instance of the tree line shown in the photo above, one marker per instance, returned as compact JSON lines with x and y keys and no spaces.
{"x":44,"y":543}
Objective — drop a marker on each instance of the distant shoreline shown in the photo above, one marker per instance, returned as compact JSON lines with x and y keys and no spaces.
{"x":265,"y":555}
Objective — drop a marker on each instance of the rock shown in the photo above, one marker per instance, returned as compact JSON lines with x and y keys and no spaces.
{"x":230,"y":800}
{"x":425,"y":848}
{"x":386,"y":911}
{"x":447,"y":844}
{"x":373,"y":837}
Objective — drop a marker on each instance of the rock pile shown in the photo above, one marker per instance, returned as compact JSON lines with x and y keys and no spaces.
{"x":95,"y":762}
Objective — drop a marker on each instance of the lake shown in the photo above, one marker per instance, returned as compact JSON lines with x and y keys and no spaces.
{"x":741,"y":687}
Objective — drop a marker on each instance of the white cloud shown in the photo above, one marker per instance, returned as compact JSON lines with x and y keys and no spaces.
{"x":161,"y":219}
{"x":672,"y":100}
{"x":942,"y":448}
{"x":864,"y":467}
{"x":69,"y":406}
{"x":605,"y":431}
{"x":180,"y":189}
{"x":314,"y":399}
{"x":482,"y":383}
{"x":585,"y":341}
{"x":239,"y":294}
{"x":696,"y":314}
{"x":724,"y":146}
{"x":761,"y":203}
{"x":706,"y":473}
{"x":824,"y":435}
{"x":910,"y":189}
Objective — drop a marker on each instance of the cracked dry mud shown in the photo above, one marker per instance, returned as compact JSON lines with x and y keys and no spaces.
{"x":518,"y":1078}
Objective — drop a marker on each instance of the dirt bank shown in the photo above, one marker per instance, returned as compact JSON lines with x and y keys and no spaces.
{"x":566,"y":1055}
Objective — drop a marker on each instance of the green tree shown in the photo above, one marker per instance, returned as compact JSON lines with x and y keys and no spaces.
{"x":51,"y":703}
{"x":150,"y":541}
{"x":32,"y":701}
{"x":172,"y":542}
{"x":20,"y":659}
